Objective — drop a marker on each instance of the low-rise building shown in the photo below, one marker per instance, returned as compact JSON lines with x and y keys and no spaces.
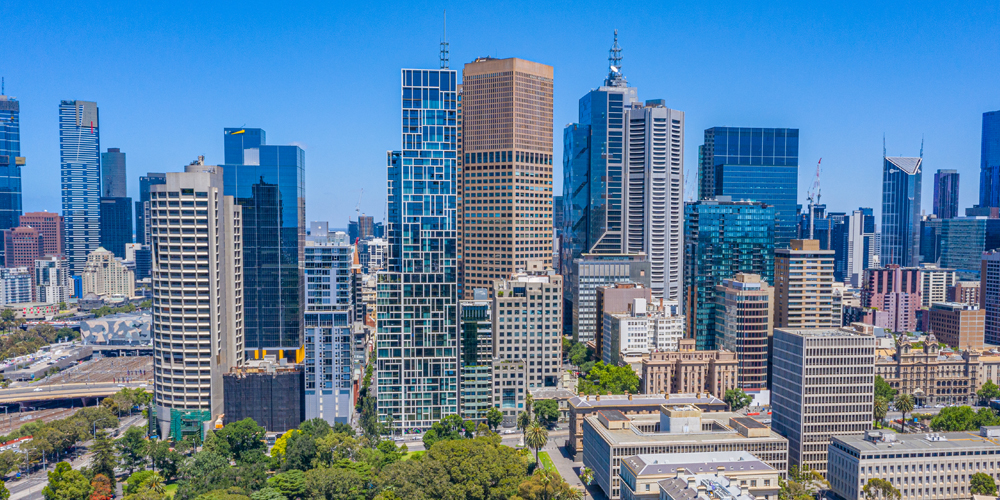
{"x":117,"y":330}
{"x":581,"y":407}
{"x":34,"y":310}
{"x":930,"y":373}
{"x":938,"y":466}
{"x":15,"y":285}
{"x":689,"y":371}
{"x":643,"y":329}
{"x":685,"y":476}
{"x":610,"y":436}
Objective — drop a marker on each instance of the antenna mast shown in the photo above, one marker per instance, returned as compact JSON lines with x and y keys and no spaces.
{"x":615,"y":77}
{"x":813,"y":196}
{"x":444,"y":43}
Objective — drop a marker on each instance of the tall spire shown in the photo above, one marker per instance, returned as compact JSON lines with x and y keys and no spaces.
{"x":615,"y":76}
{"x":444,"y":43}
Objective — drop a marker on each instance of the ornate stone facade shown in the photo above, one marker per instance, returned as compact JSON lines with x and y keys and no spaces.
{"x":930,"y":373}
{"x":689,"y":371}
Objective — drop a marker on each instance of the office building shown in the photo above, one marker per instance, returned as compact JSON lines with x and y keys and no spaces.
{"x":22,"y":246}
{"x":895,"y":291}
{"x":116,"y":224}
{"x":80,"y":172}
{"x":900,"y":228}
{"x":268,"y":183}
{"x":596,"y":270}
{"x":196,"y":339}
{"x":527,"y":327}
{"x":267,"y":392}
{"x":113,"y":174}
{"x":959,"y":243}
{"x":366,"y":225}
{"x":11,"y":161}
{"x":583,"y":406}
{"x":476,"y":385}
{"x":754,"y":164}
{"x":803,"y":286}
{"x":946,"y":194}
{"x":938,"y":465}
{"x":989,"y":176}
{"x":989,"y":295}
{"x":744,"y":321}
{"x":831,"y":231}
{"x":934,"y":283}
{"x":505,"y":186}
{"x":644,"y":328}
{"x":329,"y":316}
{"x":959,"y":325}
{"x":372,"y":254}
{"x":142,"y":256}
{"x":690,"y":371}
{"x":15,"y":285}
{"x":52,"y":284}
{"x":833,"y":396}
{"x":104,"y":275}
{"x":623,"y":181}
{"x":609,"y":437}
{"x":142,"y":206}
{"x":51,"y":228}
{"x":861,"y":253}
{"x":965,"y":292}
{"x":722,"y":475}
{"x":616,"y":299}
{"x":722,"y":238}
{"x":930,"y":373}
{"x":418,"y":291}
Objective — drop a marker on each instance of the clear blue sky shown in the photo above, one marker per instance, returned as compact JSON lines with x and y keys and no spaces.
{"x":168,"y":76}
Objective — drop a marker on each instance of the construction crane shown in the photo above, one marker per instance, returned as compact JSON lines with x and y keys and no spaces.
{"x":813,"y":196}
{"x":357,"y":208}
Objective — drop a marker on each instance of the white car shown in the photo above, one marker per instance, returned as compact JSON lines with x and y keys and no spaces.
{"x":37,"y":389}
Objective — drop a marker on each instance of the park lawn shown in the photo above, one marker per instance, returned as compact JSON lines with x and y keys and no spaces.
{"x":412,"y":454}
{"x":546,"y":461}
{"x":170,"y":490}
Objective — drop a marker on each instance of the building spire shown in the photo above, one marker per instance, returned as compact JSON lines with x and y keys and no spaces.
{"x":921,"y":146}
{"x":615,"y":76}
{"x":444,"y":43}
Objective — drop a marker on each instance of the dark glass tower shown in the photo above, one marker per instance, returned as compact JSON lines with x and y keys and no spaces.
{"x":11,"y":162}
{"x":901,"y":181}
{"x":946,"y":194}
{"x":989,"y":179}
{"x":113,"y":176}
{"x":141,"y":207}
{"x":722,"y":238}
{"x":116,"y":224}
{"x":268,"y":182}
{"x":754,"y":164}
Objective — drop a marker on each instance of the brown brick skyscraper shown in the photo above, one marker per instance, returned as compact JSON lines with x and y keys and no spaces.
{"x":50,"y":226}
{"x":505,"y":175}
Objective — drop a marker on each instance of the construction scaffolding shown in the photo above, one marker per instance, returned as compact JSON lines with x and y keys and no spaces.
{"x":272,"y":395}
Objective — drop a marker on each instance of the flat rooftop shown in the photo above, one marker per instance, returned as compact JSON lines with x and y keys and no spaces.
{"x":630,"y":435}
{"x":952,"y":441}
{"x":643,"y":400}
{"x":825,"y":332}
{"x":696,"y":463}
{"x":750,"y":423}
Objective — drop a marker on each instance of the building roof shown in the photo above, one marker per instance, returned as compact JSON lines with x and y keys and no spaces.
{"x":613,"y":415}
{"x":706,"y":462}
{"x":907,"y":164}
{"x":949,"y":441}
{"x":702,"y":486}
{"x":750,"y":423}
{"x":642,"y":400}
{"x":630,"y":435}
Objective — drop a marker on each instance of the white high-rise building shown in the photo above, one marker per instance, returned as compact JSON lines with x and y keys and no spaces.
{"x":15,"y":285}
{"x":197,"y":281}
{"x":52,"y":284}
{"x":645,"y":328}
{"x":653,"y":187}
{"x":862,"y":250}
{"x":934,"y":283}
{"x":105,"y":275}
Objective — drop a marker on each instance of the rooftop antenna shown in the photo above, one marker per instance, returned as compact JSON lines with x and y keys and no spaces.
{"x":921,"y":145}
{"x":813,"y":196}
{"x":2,"y":85}
{"x":444,"y":43}
{"x":883,"y":145}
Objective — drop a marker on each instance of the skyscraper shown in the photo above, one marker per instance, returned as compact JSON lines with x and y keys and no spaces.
{"x":743,"y":325}
{"x":416,"y":339}
{"x":196,"y":338}
{"x":80,"y":165}
{"x":116,"y":224}
{"x":142,"y":206}
{"x":989,"y":295}
{"x":268,"y":183}
{"x":113,"y":175}
{"x":860,"y":245}
{"x":11,"y":162}
{"x":754,"y":164}
{"x":946,"y":194}
{"x":901,"y":211}
{"x":623,"y":181}
{"x":989,"y":176}
{"x":505,"y":184}
{"x":803,"y":286}
{"x":721,"y":239}
{"x":50,"y":226}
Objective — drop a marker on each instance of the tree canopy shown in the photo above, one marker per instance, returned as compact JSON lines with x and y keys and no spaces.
{"x":963,"y":418}
{"x":603,"y":379}
{"x":982,"y":484}
{"x":883,"y":389}
{"x":737,"y":399}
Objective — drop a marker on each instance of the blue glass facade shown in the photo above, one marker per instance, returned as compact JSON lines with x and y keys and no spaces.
{"x":901,"y":187}
{"x":116,"y":224}
{"x":722,"y":238}
{"x":416,"y":339}
{"x":989,"y":180}
{"x":145,"y":182}
{"x":113,"y":174}
{"x":10,"y":163}
{"x":80,"y":169}
{"x":946,"y":194}
{"x":268,"y":182}
{"x":754,"y":164}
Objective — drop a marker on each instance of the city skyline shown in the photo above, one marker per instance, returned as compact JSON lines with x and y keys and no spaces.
{"x":829,"y":62}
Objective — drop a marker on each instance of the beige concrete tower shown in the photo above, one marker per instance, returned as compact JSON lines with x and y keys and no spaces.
{"x":743,"y":325}
{"x":505,"y":177}
{"x":803,"y":286}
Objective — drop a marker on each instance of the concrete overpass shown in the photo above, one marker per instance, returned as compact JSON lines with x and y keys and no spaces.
{"x":57,"y":392}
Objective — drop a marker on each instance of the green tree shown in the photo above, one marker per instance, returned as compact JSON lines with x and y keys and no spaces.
{"x":535,"y":436}
{"x":315,"y":427}
{"x":494,"y":417}
{"x":137,"y":481}
{"x":988,"y":392}
{"x":245,"y":440}
{"x":343,"y":428}
{"x":883,"y":389}
{"x":66,"y":484}
{"x":334,"y":483}
{"x":904,"y":403}
{"x":448,"y":428}
{"x":100,"y":488}
{"x":546,"y":485}
{"x":982,"y":484}
{"x":586,"y":477}
{"x":963,"y":418}
{"x":880,"y":489}
{"x":291,"y":484}
{"x":268,"y":493}
{"x":880,"y":409}
{"x":9,"y":460}
{"x":523,"y":421}
{"x":737,"y":399}
{"x":105,"y":460}
{"x":4,"y":492}
{"x":546,"y":411}
{"x":604,"y":378}
{"x":281,"y":444}
{"x":300,"y":453}
{"x":132,"y":449}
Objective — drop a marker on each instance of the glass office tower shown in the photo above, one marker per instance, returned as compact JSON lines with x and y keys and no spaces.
{"x":80,"y":168}
{"x":116,"y":224}
{"x":754,"y":164}
{"x":416,"y":339}
{"x":946,"y":194}
{"x":268,"y":182}
{"x":989,"y":178}
{"x":113,"y":174}
{"x":11,"y":162}
{"x":142,"y":206}
{"x":901,"y":178}
{"x":722,"y":238}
